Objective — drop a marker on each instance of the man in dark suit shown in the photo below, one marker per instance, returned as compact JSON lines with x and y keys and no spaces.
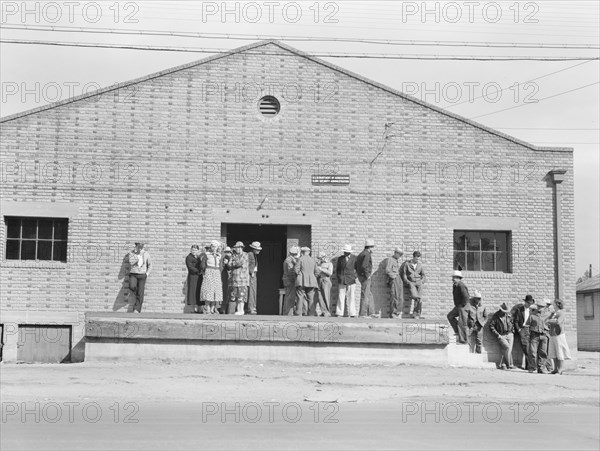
{"x":520,"y":316}
{"x":364,"y":270}
{"x":346,"y":275}
{"x":253,"y":272}
{"x":306,"y":283}
{"x":460,"y":314}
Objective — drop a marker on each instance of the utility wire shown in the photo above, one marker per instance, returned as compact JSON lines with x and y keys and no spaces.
{"x":249,"y":37}
{"x":317,"y":54}
{"x":517,"y":84}
{"x":545,"y":98}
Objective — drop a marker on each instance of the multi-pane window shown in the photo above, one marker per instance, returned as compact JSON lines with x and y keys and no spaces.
{"x":36,"y":239}
{"x":482,"y":251}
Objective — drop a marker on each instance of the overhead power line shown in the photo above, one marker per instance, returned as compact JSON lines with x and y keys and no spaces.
{"x":545,"y":98}
{"x":250,"y":37}
{"x":314,"y":54}
{"x":515,"y":85}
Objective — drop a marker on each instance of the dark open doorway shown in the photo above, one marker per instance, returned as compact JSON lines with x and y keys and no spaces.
{"x":273,"y":239}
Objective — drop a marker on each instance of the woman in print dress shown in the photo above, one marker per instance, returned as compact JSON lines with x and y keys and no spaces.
{"x":212,"y":288}
{"x":558,"y":349}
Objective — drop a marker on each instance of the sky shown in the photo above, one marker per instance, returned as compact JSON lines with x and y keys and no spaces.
{"x":548,"y":97}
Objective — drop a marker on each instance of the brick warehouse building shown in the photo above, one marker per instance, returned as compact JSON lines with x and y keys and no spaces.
{"x":268,"y":143}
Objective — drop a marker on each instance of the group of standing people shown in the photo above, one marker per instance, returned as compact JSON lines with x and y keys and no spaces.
{"x":304,"y":278}
{"x":222,"y":279}
{"x":538,"y":326}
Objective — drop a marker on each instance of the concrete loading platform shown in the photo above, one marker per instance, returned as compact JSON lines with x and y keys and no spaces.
{"x":193,"y":337}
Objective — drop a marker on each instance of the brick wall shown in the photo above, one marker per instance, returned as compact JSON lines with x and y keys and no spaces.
{"x":157,"y":166}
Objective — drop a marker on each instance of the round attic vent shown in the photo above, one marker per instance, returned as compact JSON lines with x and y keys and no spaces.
{"x":269,"y":106}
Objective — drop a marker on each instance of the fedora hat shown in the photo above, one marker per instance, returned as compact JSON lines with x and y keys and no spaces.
{"x":256,"y":245}
{"x":305,"y":249}
{"x":369,"y":242}
{"x":347,"y":248}
{"x":477,"y":294}
{"x":294,"y":250}
{"x":457,"y":273}
{"x":399,"y":250}
{"x":504,"y":307}
{"x":529,"y":298}
{"x":238,"y":244}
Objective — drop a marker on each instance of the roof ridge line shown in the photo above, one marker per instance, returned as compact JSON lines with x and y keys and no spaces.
{"x":304,"y":55}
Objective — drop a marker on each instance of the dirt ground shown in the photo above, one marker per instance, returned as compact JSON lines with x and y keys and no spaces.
{"x":223,"y":380}
{"x":167,"y":402}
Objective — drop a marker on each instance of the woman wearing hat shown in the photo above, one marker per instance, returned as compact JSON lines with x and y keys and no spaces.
{"x":194,"y":278}
{"x":325,"y":270}
{"x":239,"y":279}
{"x":211,"y":292}
{"x":558,"y":349}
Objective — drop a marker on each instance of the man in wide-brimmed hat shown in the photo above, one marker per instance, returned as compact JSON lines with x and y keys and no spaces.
{"x":306,"y":283}
{"x":364,"y":270}
{"x":253,"y":273}
{"x":392,"y":271}
{"x":345,"y":273}
{"x":460,"y":314}
{"x":520,"y":316}
{"x":413,"y":276}
{"x":538,"y":337}
{"x":289,"y":281}
{"x":239,"y":279}
{"x":501,"y":325}
{"x":479,"y":319}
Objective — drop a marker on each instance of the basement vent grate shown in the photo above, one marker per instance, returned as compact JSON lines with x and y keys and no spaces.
{"x":269,"y":106}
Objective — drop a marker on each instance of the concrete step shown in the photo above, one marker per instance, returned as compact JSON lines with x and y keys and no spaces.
{"x":460,"y":356}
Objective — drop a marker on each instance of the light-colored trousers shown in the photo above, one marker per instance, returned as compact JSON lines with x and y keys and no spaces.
{"x":339,"y":309}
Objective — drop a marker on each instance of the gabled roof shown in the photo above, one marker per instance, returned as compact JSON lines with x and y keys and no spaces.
{"x":298,"y":53}
{"x":591,"y":284}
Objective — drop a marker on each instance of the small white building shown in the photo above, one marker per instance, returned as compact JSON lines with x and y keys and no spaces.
{"x":588,"y":314}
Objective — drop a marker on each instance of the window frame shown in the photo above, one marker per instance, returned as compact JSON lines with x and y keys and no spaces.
{"x":57,"y":255}
{"x":480,"y":253}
